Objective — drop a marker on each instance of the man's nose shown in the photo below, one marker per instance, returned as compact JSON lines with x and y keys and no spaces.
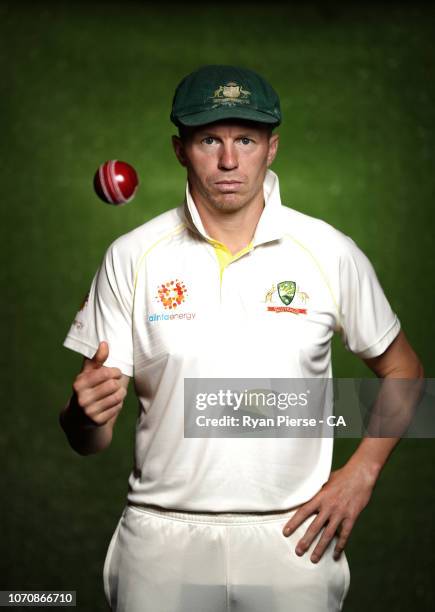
{"x":228,"y":157}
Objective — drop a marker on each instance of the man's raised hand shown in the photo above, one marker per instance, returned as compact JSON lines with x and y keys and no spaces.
{"x":98,"y":391}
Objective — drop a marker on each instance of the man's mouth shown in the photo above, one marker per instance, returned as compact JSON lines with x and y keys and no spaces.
{"x":228,"y":181}
{"x":228,"y":185}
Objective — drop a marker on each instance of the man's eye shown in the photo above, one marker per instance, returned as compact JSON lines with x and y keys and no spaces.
{"x":208,"y":140}
{"x":245,"y":140}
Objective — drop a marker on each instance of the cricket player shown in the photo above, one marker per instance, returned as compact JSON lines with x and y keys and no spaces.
{"x":229,"y":284}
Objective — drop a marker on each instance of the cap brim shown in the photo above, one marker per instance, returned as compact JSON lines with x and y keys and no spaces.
{"x":218,"y":114}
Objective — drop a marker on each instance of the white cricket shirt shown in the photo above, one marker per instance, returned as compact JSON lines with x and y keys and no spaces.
{"x":170,"y":308}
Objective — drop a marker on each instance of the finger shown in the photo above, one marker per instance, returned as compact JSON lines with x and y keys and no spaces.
{"x":343,"y":536}
{"x":300,"y":516}
{"x":104,"y":417}
{"x":325,"y":539}
{"x":311,"y":533}
{"x":100,"y":407}
{"x":96,"y":377}
{"x":102,"y":354}
{"x":99,"y":358}
{"x":92,"y":378}
{"x":93,"y":395}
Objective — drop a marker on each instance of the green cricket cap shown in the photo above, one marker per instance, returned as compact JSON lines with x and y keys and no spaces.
{"x":217,"y":92}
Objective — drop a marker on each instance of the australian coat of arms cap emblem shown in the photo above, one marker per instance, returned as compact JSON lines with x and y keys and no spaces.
{"x":230,"y":94}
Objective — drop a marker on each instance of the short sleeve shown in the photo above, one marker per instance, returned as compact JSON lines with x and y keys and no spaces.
{"x":368,"y":324}
{"x":106,"y":314}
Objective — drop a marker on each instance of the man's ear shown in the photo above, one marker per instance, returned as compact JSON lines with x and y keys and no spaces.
{"x":273,"y":148}
{"x":179,"y":150}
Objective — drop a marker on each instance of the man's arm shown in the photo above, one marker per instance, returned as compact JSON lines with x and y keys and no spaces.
{"x":98,"y":395}
{"x":348,"y":490}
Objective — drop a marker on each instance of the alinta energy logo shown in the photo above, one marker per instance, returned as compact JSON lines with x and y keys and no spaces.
{"x":280,"y":296}
{"x":171,"y":295}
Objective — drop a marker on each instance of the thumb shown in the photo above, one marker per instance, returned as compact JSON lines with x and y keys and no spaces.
{"x":99,"y":358}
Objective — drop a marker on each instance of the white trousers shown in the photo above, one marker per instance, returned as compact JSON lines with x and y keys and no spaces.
{"x":165,"y":561}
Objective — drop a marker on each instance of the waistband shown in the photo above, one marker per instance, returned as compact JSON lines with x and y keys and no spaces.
{"x":216,"y":518}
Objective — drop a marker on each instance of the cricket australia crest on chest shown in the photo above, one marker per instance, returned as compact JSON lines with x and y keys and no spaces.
{"x":286,"y":296}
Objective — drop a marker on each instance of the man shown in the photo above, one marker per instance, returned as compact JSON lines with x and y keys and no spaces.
{"x":204,"y":291}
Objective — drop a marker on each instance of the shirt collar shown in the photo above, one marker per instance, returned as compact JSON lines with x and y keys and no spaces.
{"x":269,"y":227}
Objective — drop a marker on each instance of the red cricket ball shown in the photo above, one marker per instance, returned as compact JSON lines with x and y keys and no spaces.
{"x":115,"y":182}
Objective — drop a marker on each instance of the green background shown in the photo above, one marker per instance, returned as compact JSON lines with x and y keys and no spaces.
{"x":86,"y":82}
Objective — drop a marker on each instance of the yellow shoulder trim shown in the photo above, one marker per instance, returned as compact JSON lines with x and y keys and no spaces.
{"x":322,"y":272}
{"x":176,"y":230}
{"x":173,"y":232}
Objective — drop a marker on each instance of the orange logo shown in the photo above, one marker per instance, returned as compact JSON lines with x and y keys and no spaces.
{"x":172,"y":294}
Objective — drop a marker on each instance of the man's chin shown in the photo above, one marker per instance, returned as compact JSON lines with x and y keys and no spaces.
{"x":229,"y":201}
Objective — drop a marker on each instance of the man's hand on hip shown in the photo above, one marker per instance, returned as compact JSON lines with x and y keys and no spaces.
{"x":337,"y":505}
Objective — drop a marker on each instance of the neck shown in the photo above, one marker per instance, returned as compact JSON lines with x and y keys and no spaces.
{"x":234,"y":229}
